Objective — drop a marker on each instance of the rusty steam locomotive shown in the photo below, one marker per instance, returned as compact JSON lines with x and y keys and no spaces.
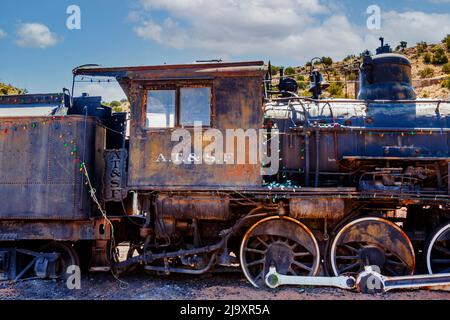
{"x":353,"y":182}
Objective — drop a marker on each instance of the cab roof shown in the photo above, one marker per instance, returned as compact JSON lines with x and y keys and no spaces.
{"x":180,"y":71}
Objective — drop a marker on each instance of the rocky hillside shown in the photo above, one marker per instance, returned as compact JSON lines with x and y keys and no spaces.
{"x":430,"y":68}
{"x":7,"y":89}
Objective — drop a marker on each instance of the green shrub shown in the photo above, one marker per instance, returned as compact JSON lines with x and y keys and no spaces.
{"x":302,"y":85}
{"x":352,"y":76}
{"x":426,"y":73}
{"x":336,"y":89}
{"x":349,"y":57}
{"x":422,"y":46}
{"x":439,"y":56}
{"x":115,"y":104}
{"x":289,"y":71}
{"x":327,"y":61}
{"x":446,"y":68}
{"x":305,"y":93}
{"x":427,"y":57}
{"x":446,"y":41}
{"x":402,"y":46}
{"x":446,"y":83}
{"x":274,"y":70}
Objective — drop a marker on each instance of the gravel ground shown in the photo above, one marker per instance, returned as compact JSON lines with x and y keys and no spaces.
{"x":177,"y":287}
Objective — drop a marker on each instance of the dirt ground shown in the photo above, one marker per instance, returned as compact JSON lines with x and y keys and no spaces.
{"x":177,"y":287}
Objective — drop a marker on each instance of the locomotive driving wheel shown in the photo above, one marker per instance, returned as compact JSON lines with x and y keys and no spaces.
{"x":438,"y":251}
{"x":372,"y":241}
{"x":282,"y":242}
{"x":68,"y":257}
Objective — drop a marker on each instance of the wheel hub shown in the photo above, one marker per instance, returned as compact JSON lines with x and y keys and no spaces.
{"x":372,"y":256}
{"x":280,"y":255}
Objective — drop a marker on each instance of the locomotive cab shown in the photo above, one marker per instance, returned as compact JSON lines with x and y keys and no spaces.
{"x":195,"y":104}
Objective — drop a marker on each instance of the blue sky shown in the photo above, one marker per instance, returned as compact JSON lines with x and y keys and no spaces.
{"x":38,"y":52}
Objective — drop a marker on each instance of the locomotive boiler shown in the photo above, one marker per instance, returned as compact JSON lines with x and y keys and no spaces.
{"x":213,"y":169}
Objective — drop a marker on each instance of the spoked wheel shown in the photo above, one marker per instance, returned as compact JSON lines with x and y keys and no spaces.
{"x":282,"y":242}
{"x":68,"y":257}
{"x":438,"y":251}
{"x":123,"y":252}
{"x":373,"y":242}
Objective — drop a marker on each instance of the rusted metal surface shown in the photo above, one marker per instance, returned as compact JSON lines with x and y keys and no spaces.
{"x":181,"y":71}
{"x":195,"y":206}
{"x":34,"y":99}
{"x":30,"y":104}
{"x":236,"y":104}
{"x":40,"y":161}
{"x":321,"y":208}
{"x":48,"y":230}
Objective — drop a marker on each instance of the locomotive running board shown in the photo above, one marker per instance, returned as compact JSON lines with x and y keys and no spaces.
{"x":368,"y":281}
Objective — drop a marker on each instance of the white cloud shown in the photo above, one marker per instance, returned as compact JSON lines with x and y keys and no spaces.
{"x":35,"y":35}
{"x":412,"y":27}
{"x":288,"y":30}
{"x":2,"y":34}
{"x":230,"y":27}
{"x":108,"y":91}
{"x":168,"y":33}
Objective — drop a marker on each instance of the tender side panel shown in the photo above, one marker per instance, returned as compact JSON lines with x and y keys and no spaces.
{"x":40,"y":175}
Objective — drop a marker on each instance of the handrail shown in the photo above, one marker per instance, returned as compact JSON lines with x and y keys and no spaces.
{"x":325,"y":101}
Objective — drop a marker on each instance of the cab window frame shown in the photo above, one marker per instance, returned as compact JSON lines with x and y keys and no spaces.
{"x":177,"y":88}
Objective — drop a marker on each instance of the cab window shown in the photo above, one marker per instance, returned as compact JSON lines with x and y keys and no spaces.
{"x":161,"y":108}
{"x":195,"y":106}
{"x":178,"y":106}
